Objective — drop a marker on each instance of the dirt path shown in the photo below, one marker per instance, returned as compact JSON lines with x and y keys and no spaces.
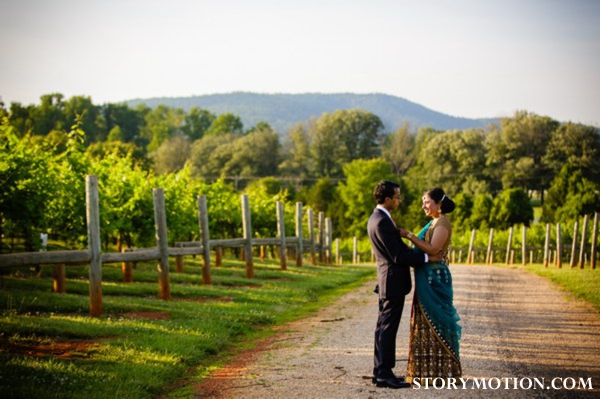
{"x":516,"y":327}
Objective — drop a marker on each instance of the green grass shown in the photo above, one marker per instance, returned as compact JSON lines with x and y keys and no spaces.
{"x":125,"y":356}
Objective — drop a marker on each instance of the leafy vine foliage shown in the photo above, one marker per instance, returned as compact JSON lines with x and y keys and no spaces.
{"x":525,"y":169}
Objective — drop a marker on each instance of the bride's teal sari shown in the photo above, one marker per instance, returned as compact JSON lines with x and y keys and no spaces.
{"x":433,"y":289}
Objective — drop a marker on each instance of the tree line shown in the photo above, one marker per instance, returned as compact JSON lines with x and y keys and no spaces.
{"x":495,"y":175}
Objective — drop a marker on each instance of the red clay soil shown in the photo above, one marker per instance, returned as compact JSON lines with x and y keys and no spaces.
{"x":64,"y":349}
{"x":216,"y":386}
{"x":67,"y":349}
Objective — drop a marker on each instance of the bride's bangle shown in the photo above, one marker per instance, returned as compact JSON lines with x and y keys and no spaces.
{"x":410,"y":235}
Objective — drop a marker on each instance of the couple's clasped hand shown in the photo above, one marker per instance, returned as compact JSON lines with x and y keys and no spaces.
{"x":403,"y":232}
{"x":437,"y":257}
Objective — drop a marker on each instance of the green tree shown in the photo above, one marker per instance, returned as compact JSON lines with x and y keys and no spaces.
{"x":516,"y":154}
{"x":210,"y":154}
{"x":162,"y":123}
{"x":462,"y":213}
{"x":341,"y":137}
{"x":225,"y":124}
{"x":297,"y":155}
{"x":511,"y":207}
{"x":88,"y":115}
{"x":20,"y":118}
{"x":482,"y":210}
{"x":398,"y":150}
{"x":256,"y":154}
{"x":171,"y":156}
{"x":49,"y":115}
{"x":116,"y":134}
{"x":356,"y":192}
{"x":197,"y":122}
{"x":570,"y":196}
{"x":416,"y":177}
{"x":454,"y":160}
{"x":322,"y":195}
{"x":575,"y":145}
{"x":261,"y":125}
{"x":128,"y":121}
{"x":360,"y":131}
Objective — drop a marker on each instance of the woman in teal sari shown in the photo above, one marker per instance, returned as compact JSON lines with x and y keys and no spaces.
{"x":434,"y":329}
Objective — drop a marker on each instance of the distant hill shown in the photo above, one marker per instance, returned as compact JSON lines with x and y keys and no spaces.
{"x":283,"y":111}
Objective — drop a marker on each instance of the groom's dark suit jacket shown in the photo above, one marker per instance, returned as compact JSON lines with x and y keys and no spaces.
{"x":394,"y":258}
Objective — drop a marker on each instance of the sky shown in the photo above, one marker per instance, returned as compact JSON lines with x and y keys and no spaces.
{"x":466,"y":58}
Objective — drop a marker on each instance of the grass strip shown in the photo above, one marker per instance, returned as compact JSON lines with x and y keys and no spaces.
{"x":141,"y":346}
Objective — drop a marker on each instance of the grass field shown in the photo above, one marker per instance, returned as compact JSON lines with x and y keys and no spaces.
{"x":141,"y":346}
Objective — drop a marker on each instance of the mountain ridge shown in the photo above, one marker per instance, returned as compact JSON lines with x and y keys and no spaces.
{"x":283,"y":110}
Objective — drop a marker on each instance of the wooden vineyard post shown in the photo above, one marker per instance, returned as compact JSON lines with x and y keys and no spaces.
{"x":558,"y":246}
{"x":489,"y":257}
{"x":179,"y":264}
{"x":471,"y":254}
{"x":59,"y":278}
{"x":127,"y":271}
{"x":594,"y":242}
{"x":162,"y":242}
{"x":311,"y":233}
{"x":281,"y":235}
{"x":547,"y":245}
{"x":574,"y":245}
{"x":205,"y":239}
{"x":583,"y":240}
{"x":509,"y":245}
{"x":299,"y":245}
{"x":218,"y":256}
{"x":94,"y":245}
{"x":524,"y":245}
{"x":247,"y":227}
{"x":321,"y":236}
{"x":531,"y":257}
{"x":329,"y":238}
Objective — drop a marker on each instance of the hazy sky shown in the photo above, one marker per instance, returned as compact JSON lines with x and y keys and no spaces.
{"x":470,"y":58}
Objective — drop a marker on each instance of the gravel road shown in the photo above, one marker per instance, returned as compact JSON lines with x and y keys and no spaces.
{"x":518,"y":328}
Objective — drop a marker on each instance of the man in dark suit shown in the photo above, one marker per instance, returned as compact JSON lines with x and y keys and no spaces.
{"x":393,"y":280}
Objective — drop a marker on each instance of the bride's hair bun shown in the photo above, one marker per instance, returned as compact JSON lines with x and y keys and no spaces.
{"x":437,"y":194}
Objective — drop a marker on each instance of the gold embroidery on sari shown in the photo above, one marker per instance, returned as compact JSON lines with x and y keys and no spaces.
{"x":429,"y":356}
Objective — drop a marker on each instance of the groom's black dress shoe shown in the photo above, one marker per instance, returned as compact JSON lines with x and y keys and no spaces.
{"x":374,"y":379}
{"x":392,"y":382}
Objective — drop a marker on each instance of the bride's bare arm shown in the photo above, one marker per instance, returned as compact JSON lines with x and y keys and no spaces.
{"x":440,"y":235}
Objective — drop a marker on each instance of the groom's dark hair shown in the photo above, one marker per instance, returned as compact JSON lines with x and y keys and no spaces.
{"x":384,"y":189}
